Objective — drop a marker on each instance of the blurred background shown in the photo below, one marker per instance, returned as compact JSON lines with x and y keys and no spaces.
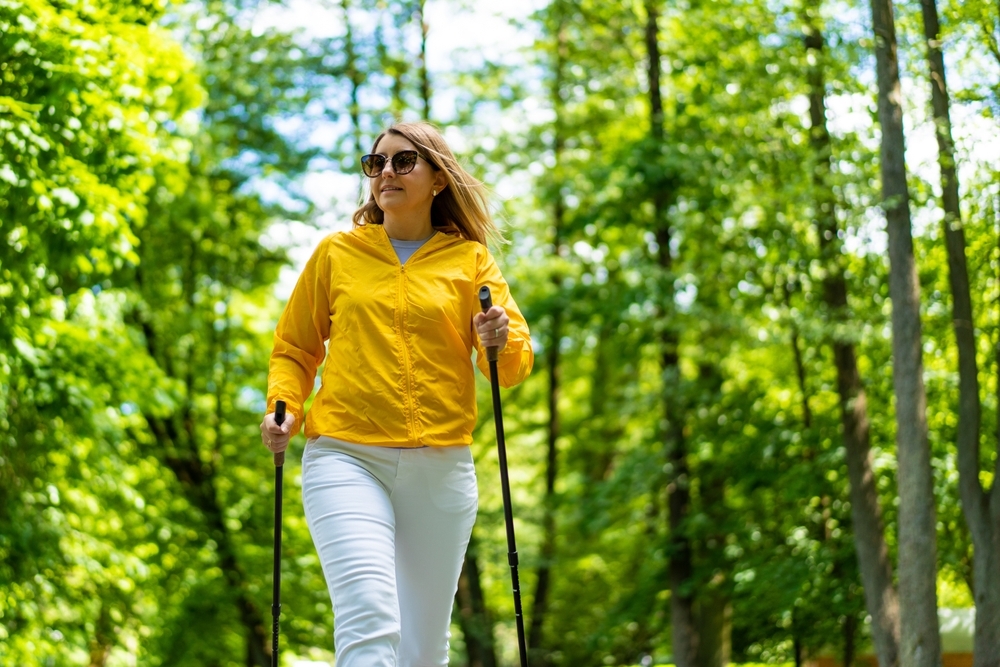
{"x":712,"y":461}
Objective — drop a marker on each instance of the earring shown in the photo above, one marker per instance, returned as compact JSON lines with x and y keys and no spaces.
{"x":434,"y":193}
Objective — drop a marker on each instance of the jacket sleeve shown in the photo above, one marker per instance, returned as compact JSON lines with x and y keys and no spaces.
{"x":517,"y":357}
{"x":300,"y":336}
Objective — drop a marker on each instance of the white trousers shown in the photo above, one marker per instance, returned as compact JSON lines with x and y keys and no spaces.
{"x":391,"y":527}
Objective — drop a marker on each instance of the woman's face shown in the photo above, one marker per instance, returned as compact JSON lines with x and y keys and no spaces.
{"x":400,"y":194}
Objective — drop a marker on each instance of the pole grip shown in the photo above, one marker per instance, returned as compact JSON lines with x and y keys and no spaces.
{"x":486,"y":302}
{"x":279,"y":419}
{"x":485,"y":298}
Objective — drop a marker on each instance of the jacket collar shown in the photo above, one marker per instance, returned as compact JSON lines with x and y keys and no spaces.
{"x":377,"y":235}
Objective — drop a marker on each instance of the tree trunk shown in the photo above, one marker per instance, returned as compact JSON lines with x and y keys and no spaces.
{"x":681,"y":569}
{"x":715,"y":623}
{"x":980,"y":513}
{"x":866,"y":514}
{"x":920,"y":637}
{"x":850,"y":636}
{"x":712,"y":607}
{"x":103,"y":639}
{"x":800,"y":366}
{"x":473,"y":615}
{"x":797,"y":652}
{"x":679,"y":552}
{"x":986,"y":568}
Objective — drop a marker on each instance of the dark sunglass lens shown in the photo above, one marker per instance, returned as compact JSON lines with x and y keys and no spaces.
{"x":372,"y":165}
{"x":403,"y":162}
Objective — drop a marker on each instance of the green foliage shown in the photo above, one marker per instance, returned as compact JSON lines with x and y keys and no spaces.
{"x":83,"y":96}
{"x":147,"y":151}
{"x":133,"y":274}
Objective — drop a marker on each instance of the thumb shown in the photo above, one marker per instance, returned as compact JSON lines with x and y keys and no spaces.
{"x":288,"y":423}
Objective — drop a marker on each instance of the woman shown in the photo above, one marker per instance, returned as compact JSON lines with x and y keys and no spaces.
{"x":388,"y":482}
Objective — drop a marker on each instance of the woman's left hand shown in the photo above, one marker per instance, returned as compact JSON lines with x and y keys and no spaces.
{"x":492,"y":327}
{"x":275,"y":436}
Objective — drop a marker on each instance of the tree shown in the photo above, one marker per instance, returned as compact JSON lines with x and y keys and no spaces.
{"x":869,"y":531}
{"x":538,"y":647}
{"x":919,"y":635}
{"x":981,"y":506}
{"x":685,"y":633}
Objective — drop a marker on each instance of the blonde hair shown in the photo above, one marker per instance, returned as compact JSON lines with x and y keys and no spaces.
{"x":461,"y":209}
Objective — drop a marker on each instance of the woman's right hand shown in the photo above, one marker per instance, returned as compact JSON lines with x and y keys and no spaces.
{"x":276,"y":437}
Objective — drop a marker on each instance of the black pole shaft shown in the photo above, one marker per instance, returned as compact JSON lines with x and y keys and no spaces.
{"x":508,"y":513}
{"x":276,"y":604}
{"x":486,"y":301}
{"x":279,"y":464}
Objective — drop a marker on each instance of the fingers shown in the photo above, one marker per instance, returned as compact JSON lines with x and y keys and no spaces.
{"x":276,"y":437}
{"x":272,"y":426}
{"x":274,"y":443}
{"x":493,"y":318}
{"x":492,"y":327}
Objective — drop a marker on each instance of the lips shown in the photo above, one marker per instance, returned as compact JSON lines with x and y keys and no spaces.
{"x":392,"y":189}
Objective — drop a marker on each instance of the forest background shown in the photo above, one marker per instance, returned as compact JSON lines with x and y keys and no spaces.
{"x":745,"y":438}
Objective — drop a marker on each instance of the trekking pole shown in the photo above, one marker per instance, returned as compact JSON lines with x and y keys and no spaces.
{"x":279,"y":463}
{"x":486,"y":301}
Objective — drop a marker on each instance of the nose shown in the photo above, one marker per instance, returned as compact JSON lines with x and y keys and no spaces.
{"x":387,"y":170}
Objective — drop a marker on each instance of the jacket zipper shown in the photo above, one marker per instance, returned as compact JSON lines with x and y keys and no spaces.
{"x":404,"y":337}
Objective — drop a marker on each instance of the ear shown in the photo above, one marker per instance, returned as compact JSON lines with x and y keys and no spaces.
{"x":440,"y":182}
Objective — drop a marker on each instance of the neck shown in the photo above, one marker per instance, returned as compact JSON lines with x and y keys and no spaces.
{"x":408,"y":229}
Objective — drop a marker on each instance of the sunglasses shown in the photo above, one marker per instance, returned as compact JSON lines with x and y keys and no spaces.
{"x":403,"y":162}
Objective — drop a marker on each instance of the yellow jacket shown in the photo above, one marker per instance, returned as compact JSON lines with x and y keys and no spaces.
{"x":398,"y":369}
